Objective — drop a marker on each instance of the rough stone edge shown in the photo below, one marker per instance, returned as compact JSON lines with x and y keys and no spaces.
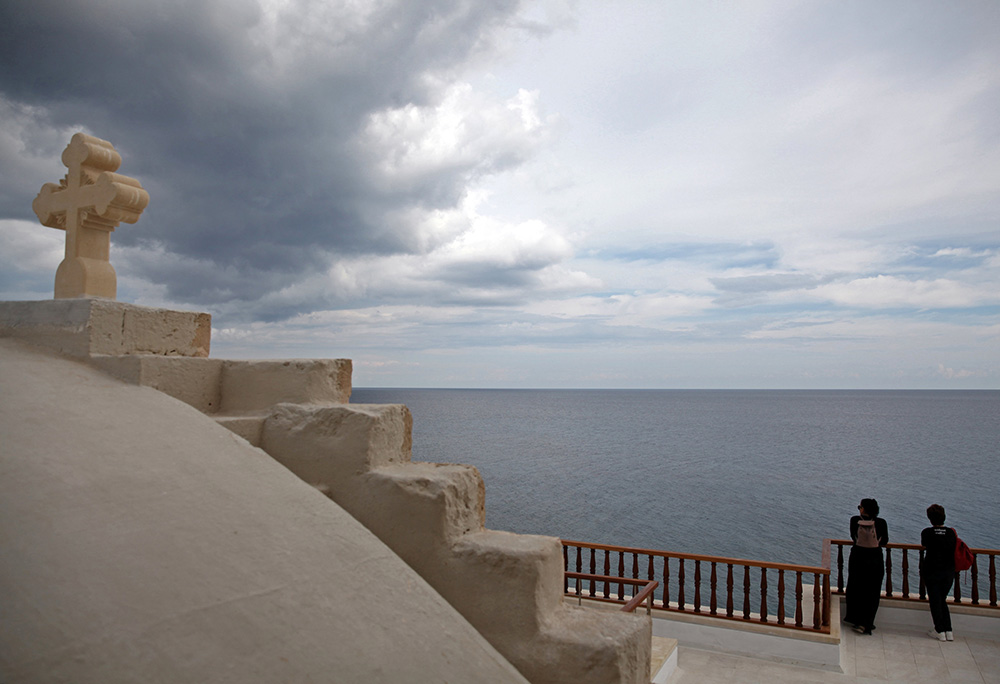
{"x":193,"y":380}
{"x":254,"y":386}
{"x":451,"y":548}
{"x":86,"y":326}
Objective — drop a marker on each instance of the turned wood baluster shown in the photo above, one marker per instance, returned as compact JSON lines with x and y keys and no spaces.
{"x":920,"y":587}
{"x":579,"y":568}
{"x":621,"y":573}
{"x":607,"y":572}
{"x":840,"y":568}
{"x":993,"y":580}
{"x":906,"y":574}
{"x":650,"y":575}
{"x":666,"y":583}
{"x":781,"y":597}
{"x":975,"y":580}
{"x":576,"y":583}
{"x":635,"y":572}
{"x":593,"y":571}
{"x":746,"y":592}
{"x":713,"y":603}
{"x":826,"y":600}
{"x":798,"y":598}
{"x":817,"y":601}
{"x":763,"y":594}
{"x":729,"y":591}
{"x":958,"y":587}
{"x":680,"y":585}
{"x":888,"y":572}
{"x":697,"y":586}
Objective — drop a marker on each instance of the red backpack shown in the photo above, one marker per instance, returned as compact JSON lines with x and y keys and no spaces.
{"x":964,"y":558}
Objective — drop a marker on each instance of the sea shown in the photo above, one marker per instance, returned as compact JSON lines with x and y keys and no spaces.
{"x":761,"y":475}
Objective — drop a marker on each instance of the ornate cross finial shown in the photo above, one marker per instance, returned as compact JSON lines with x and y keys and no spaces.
{"x":88,"y":204}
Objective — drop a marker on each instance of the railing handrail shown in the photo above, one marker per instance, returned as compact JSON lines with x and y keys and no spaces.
{"x":832,"y":567}
{"x":611,"y":579}
{"x":915,"y":547}
{"x":727,"y":609}
{"x":815,"y":569}
{"x":645,"y":593}
{"x":979,"y":595}
{"x":648,"y":587}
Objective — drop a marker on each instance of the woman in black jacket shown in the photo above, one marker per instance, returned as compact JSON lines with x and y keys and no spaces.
{"x":865,"y":568}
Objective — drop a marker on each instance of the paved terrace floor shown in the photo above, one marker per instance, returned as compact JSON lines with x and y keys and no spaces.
{"x":893,"y":655}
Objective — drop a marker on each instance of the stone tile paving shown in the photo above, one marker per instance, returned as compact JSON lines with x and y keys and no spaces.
{"x":889,"y":655}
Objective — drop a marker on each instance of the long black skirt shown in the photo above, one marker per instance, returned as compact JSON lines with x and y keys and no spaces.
{"x":865,"y":571}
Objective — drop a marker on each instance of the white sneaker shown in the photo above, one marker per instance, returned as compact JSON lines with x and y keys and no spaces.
{"x":940,"y":636}
{"x":950,"y":636}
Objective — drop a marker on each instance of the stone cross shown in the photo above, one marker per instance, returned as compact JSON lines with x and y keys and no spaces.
{"x":88,"y":204}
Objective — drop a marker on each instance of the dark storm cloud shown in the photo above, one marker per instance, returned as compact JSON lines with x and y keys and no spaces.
{"x":241,"y":124}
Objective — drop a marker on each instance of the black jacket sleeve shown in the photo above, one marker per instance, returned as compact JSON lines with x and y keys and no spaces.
{"x":882,"y":530}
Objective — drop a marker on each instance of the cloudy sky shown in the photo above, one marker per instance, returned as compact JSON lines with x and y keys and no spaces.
{"x":487,"y":193}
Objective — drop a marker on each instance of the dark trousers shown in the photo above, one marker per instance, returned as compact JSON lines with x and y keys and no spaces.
{"x":938,"y":584}
{"x":865,"y":571}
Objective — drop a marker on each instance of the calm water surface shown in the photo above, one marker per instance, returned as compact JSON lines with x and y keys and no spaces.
{"x":751,"y":474}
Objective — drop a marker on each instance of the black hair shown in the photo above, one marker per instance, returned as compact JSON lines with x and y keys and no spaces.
{"x":870,"y":506}
{"x":935,"y":513}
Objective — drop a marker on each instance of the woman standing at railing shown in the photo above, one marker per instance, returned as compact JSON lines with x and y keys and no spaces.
{"x":865,"y":568}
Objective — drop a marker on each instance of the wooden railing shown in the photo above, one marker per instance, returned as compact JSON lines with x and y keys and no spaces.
{"x":907,"y":574}
{"x":746,"y":583}
{"x":645,"y":594}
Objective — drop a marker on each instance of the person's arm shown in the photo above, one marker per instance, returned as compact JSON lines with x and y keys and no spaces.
{"x":854,"y":528}
{"x":883,"y":534}
{"x":926,"y":537}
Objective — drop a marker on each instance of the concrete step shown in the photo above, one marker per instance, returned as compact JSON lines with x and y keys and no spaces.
{"x":254,"y":386}
{"x":249,"y":428}
{"x":431,"y":515}
{"x":509,"y":586}
{"x":329,"y":443}
{"x":663,"y":659}
{"x":423,"y":507}
{"x":85,"y":326}
{"x":193,"y":380}
{"x":234,"y":387}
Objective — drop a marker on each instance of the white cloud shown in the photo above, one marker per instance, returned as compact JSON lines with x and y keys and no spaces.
{"x":30,"y":246}
{"x":952,"y":374}
{"x":885,"y":292}
{"x":28,"y":143}
{"x":491,"y":242}
{"x":466,"y":130}
{"x":964,"y":252}
{"x":889,"y":142}
{"x":658,"y":310}
{"x":450,"y":187}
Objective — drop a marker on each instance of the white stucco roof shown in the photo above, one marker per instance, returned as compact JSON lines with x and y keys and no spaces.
{"x":141,"y":542}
